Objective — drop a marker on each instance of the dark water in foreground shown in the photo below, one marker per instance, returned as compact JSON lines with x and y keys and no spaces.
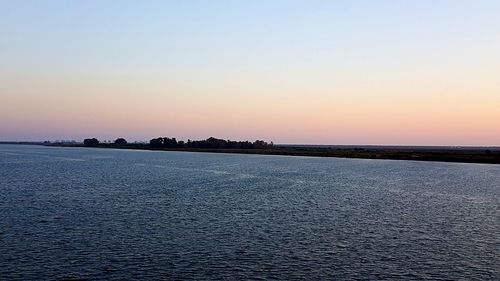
{"x":76,"y":213}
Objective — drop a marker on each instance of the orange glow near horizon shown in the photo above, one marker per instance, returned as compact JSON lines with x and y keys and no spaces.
{"x":316,"y":118}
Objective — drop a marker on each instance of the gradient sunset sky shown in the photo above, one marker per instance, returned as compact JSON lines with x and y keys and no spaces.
{"x":314,"y":72}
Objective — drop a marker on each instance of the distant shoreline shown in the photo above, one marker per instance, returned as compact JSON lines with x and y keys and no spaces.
{"x":480,"y":155}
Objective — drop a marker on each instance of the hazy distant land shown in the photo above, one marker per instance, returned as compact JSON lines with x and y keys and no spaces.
{"x":490,"y":155}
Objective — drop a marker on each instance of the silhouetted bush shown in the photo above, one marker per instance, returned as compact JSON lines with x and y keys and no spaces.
{"x":156,"y":143}
{"x":91,"y":142}
{"x":120,"y":141}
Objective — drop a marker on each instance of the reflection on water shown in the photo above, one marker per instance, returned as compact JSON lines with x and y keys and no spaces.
{"x":119,"y":214}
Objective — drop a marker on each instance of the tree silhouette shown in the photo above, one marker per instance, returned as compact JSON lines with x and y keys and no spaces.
{"x":120,"y":141}
{"x":156,"y":143}
{"x":91,"y":142}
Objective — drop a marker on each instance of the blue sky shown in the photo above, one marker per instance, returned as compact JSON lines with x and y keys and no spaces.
{"x":224,"y":58}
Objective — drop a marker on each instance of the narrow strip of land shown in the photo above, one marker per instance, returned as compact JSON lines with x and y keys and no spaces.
{"x":442,"y":154}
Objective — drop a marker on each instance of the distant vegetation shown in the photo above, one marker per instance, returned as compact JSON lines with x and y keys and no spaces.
{"x":446,"y":154}
{"x":91,"y":142}
{"x":212,"y":142}
{"x":166,"y":143}
{"x":120,"y":141}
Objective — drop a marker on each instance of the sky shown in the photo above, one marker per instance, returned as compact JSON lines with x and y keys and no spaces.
{"x":421,"y":72}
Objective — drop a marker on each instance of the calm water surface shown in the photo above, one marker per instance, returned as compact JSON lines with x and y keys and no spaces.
{"x":78,"y":213}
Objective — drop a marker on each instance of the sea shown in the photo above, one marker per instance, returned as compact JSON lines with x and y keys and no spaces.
{"x":118,"y":214}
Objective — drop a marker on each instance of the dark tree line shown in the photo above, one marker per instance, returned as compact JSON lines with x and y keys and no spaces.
{"x":164,"y":142}
{"x":210,"y":143}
